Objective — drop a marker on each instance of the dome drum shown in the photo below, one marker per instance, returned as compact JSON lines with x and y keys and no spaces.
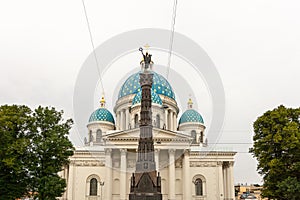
{"x":189,"y":126}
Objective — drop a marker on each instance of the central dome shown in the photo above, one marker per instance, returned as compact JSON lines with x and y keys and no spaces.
{"x":160,"y":86}
{"x":154,"y":97}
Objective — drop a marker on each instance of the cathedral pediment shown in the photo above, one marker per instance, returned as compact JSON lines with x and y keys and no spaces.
{"x":158,"y":135}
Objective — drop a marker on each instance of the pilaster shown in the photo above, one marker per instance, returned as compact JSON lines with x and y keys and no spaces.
{"x":123,"y":169}
{"x":108,"y":174}
{"x":186,"y":176}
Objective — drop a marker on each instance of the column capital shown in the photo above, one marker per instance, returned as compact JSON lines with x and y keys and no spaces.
{"x":123,"y":151}
{"x":156,"y":150}
{"x":72,"y":162}
{"x":219,"y":163}
{"x":108,"y":150}
{"x":186,"y":152}
{"x":171,"y":151}
{"x":228,"y":164}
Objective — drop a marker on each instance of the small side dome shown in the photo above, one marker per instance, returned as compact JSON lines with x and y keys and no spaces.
{"x":154,"y":97}
{"x":191,"y":115}
{"x":102,"y":114}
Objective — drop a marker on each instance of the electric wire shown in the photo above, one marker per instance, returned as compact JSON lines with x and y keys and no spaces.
{"x":171,"y":37}
{"x":93,"y":46}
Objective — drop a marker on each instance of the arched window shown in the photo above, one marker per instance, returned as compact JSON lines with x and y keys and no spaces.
{"x":198,"y":187}
{"x":158,"y":121}
{"x":201,"y":137}
{"x":93,"y":187}
{"x":98,"y":135}
{"x":194,"y":136}
{"x":136,"y":121}
{"x":90,"y":136}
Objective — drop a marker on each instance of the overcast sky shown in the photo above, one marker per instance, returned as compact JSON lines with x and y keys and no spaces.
{"x":254,"y":45}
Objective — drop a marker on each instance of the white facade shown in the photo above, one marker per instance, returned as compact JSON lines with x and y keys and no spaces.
{"x":189,"y":170}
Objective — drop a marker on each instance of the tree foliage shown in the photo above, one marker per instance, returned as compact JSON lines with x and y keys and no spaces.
{"x":35,"y":148}
{"x":277,"y":149}
{"x":15,"y":123}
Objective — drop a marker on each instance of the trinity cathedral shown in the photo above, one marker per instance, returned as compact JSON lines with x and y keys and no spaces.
{"x":181,"y":160}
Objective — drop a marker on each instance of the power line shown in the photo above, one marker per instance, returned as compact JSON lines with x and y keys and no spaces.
{"x":171,"y":37}
{"x":93,"y":46}
{"x":232,"y":143}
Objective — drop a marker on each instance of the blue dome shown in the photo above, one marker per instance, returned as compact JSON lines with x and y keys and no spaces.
{"x":154,"y":97}
{"x":191,"y":115}
{"x":160,"y":86}
{"x":102,"y":114}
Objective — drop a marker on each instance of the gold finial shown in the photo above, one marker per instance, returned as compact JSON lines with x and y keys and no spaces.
{"x":190,"y":103}
{"x":102,"y":102}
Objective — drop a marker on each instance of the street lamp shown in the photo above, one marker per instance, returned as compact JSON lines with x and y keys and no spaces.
{"x":101,"y":185}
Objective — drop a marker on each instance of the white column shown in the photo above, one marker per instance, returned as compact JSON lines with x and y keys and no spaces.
{"x":225,"y":180}
{"x":171,"y":121}
{"x":172,"y":174}
{"x":65,"y":176}
{"x":108,"y":175}
{"x":231,"y":182}
{"x":127,"y":119}
{"x":118,"y":120}
{"x":71,"y":181}
{"x":157,"y":158}
{"x":166,"y":119}
{"x":174,"y":122}
{"x":123,"y":181}
{"x":186,"y":176}
{"x":221,"y":182}
{"x":122,"y":120}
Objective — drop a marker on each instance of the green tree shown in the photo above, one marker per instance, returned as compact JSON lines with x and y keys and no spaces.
{"x":15,"y":123}
{"x":34,"y":148}
{"x":50,"y":149}
{"x":277,"y":149}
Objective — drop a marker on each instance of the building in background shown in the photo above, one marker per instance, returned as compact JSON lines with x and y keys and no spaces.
{"x":188,"y":168}
{"x":252,"y":191}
